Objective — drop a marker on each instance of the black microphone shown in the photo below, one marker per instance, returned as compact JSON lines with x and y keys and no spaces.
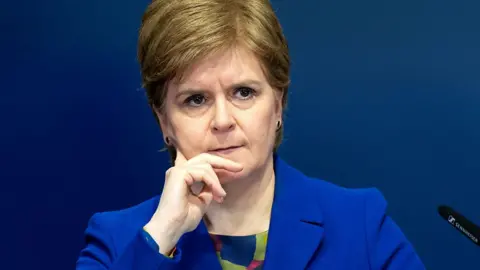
{"x":462,"y":224}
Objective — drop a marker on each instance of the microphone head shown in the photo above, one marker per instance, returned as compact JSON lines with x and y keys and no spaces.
{"x":459,"y":222}
{"x":447,"y":213}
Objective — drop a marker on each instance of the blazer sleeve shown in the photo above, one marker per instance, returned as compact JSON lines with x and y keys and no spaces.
{"x":100,"y":252}
{"x":388,"y":247}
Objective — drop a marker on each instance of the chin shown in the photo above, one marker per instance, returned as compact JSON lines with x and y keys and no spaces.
{"x":226,"y":177}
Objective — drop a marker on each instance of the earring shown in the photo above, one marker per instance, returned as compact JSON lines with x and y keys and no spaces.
{"x":167,"y":140}
{"x":279,"y":124}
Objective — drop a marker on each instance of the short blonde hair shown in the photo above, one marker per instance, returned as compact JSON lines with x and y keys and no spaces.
{"x":177,"y":33}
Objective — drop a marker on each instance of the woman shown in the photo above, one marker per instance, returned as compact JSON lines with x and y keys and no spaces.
{"x":216,"y":75}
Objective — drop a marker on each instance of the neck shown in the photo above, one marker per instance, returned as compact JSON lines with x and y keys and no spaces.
{"x":247,"y":206}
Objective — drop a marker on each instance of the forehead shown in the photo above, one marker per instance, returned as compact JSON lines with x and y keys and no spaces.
{"x":226,"y":68}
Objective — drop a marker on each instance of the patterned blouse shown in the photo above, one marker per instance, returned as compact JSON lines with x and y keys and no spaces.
{"x":241,"y":252}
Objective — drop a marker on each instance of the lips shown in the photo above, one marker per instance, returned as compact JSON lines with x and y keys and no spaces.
{"x":224,"y":149}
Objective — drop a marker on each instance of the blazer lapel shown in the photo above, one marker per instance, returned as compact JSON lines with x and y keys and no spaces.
{"x":296,"y":227}
{"x":198,"y":250}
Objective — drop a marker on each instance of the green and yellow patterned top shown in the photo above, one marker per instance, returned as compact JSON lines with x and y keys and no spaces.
{"x":241,"y":252}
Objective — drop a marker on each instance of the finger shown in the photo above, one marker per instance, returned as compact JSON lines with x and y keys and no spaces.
{"x":196,"y":174}
{"x":197,"y":187}
{"x":180,"y":158}
{"x":217,"y":187}
{"x":217,"y":162}
{"x":218,"y":199}
{"x":203,"y":199}
{"x":206,"y":196}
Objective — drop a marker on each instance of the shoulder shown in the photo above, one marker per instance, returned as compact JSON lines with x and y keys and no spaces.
{"x":122,"y":225}
{"x":343,"y":197}
{"x":131,"y":216}
{"x":333,"y":201}
{"x":336,"y":202}
{"x":115,"y":239}
{"x":339,"y":208}
{"x":360,"y":215}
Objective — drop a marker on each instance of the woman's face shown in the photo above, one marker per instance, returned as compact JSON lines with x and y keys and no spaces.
{"x":224,"y":106}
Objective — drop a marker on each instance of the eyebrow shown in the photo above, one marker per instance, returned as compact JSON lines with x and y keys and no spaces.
{"x":192,"y":91}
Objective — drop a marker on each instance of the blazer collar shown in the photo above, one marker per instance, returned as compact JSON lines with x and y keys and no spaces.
{"x":296,"y":225}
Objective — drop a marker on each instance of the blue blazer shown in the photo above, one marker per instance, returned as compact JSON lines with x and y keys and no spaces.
{"x":314,"y":225}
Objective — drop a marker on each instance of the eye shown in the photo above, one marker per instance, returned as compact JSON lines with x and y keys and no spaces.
{"x":195,"y":100}
{"x":244,"y":92}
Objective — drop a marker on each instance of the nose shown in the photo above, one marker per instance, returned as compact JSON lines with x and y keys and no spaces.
{"x":223,"y":119}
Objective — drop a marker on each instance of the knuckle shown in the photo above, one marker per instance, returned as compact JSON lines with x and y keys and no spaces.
{"x":206,"y":166}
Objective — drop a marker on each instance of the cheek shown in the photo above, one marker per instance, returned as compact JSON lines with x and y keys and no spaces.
{"x":190,"y":133}
{"x":260,"y":129}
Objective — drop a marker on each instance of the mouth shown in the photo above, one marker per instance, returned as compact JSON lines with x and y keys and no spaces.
{"x":225,"y":150}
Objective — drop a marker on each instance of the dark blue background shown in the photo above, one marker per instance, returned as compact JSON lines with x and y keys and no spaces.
{"x":384,"y":93}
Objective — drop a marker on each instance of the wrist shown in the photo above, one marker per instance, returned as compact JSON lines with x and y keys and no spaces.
{"x":165,"y":236}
